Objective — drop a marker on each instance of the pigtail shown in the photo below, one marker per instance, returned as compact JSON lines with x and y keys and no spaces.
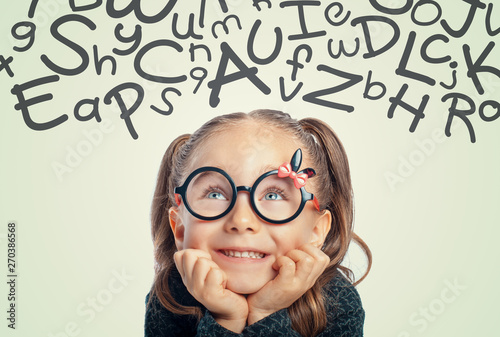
{"x":308,"y":314}
{"x":163,"y":239}
{"x":161,"y":198}
{"x":337,"y":185}
{"x":337,"y":197}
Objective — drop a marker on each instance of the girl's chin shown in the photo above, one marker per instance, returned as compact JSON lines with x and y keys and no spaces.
{"x":245,"y":287}
{"x":243,"y":290}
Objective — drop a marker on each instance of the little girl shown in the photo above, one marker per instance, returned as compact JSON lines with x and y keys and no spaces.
{"x":251,"y":218}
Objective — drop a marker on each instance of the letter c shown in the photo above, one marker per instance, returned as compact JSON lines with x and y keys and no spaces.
{"x":144,"y":50}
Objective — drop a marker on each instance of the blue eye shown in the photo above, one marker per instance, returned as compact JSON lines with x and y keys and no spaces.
{"x":273,"y":196}
{"x":216,"y":195}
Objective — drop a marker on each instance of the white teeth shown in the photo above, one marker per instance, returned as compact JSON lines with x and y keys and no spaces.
{"x":252,"y":255}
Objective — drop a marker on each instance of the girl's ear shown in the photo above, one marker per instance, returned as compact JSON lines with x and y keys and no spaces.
{"x":321,"y":228}
{"x":177,"y":226}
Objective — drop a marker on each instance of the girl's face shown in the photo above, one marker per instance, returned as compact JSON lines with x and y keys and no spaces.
{"x":245,"y":152}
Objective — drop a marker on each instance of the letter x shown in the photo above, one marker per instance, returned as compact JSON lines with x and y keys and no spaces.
{"x":4,"y":64}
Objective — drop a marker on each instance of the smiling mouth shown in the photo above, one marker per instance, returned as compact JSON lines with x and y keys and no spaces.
{"x":245,"y":254}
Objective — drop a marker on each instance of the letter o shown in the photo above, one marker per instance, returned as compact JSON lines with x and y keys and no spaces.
{"x":395,"y":11}
{"x":84,"y":148}
{"x":426,"y":2}
{"x":493,"y":104}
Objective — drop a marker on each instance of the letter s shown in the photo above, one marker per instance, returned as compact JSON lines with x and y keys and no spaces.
{"x":54,"y":30}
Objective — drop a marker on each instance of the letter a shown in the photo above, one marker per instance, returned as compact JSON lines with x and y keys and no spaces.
{"x":221,"y":78}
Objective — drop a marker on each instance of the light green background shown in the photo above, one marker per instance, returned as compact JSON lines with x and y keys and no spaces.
{"x":79,"y":231}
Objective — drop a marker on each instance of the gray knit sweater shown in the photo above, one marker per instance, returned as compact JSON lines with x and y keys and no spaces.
{"x":345,"y":316}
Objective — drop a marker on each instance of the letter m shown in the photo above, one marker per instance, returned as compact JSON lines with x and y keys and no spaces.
{"x":224,"y":24}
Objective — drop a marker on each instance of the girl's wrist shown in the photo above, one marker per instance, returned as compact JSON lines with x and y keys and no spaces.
{"x":256,"y":316}
{"x":236,"y":325}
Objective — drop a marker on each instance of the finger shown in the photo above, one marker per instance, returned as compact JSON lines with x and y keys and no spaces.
{"x":216,"y":277}
{"x":321,"y":260}
{"x":190,"y":257}
{"x":201,"y":269}
{"x":285,"y":267}
{"x":316,"y":253}
{"x":178,"y":262}
{"x":188,"y":260}
{"x":304,"y":263}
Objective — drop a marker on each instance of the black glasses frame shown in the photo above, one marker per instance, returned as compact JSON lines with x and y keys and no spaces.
{"x":296,"y":160}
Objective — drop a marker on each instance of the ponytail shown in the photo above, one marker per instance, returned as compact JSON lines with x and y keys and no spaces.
{"x":163,"y":239}
{"x":337,"y":196}
{"x":308,"y":314}
{"x":161,"y":199}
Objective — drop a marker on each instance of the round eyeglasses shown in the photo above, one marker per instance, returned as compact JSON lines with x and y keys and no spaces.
{"x":277,"y":196}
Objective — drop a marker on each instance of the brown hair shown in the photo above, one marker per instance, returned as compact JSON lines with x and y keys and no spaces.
{"x":327,"y":155}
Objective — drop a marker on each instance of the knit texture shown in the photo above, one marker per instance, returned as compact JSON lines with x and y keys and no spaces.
{"x":345,"y":316}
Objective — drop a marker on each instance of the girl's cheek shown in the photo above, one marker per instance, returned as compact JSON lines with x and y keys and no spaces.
{"x":192,"y":239}
{"x":288,"y":245}
{"x":200,"y":235}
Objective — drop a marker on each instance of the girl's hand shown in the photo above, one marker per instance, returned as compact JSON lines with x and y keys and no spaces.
{"x":207,"y":283}
{"x":298,"y":270}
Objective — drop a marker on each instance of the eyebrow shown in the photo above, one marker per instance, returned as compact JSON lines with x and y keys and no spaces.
{"x":267,"y":168}
{"x":263,"y":170}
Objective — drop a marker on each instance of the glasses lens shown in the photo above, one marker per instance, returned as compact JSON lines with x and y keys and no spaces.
{"x":277,"y":198}
{"x":209,"y":194}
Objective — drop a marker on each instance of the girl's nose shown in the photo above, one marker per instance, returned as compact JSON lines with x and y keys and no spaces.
{"x":242,"y":218}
